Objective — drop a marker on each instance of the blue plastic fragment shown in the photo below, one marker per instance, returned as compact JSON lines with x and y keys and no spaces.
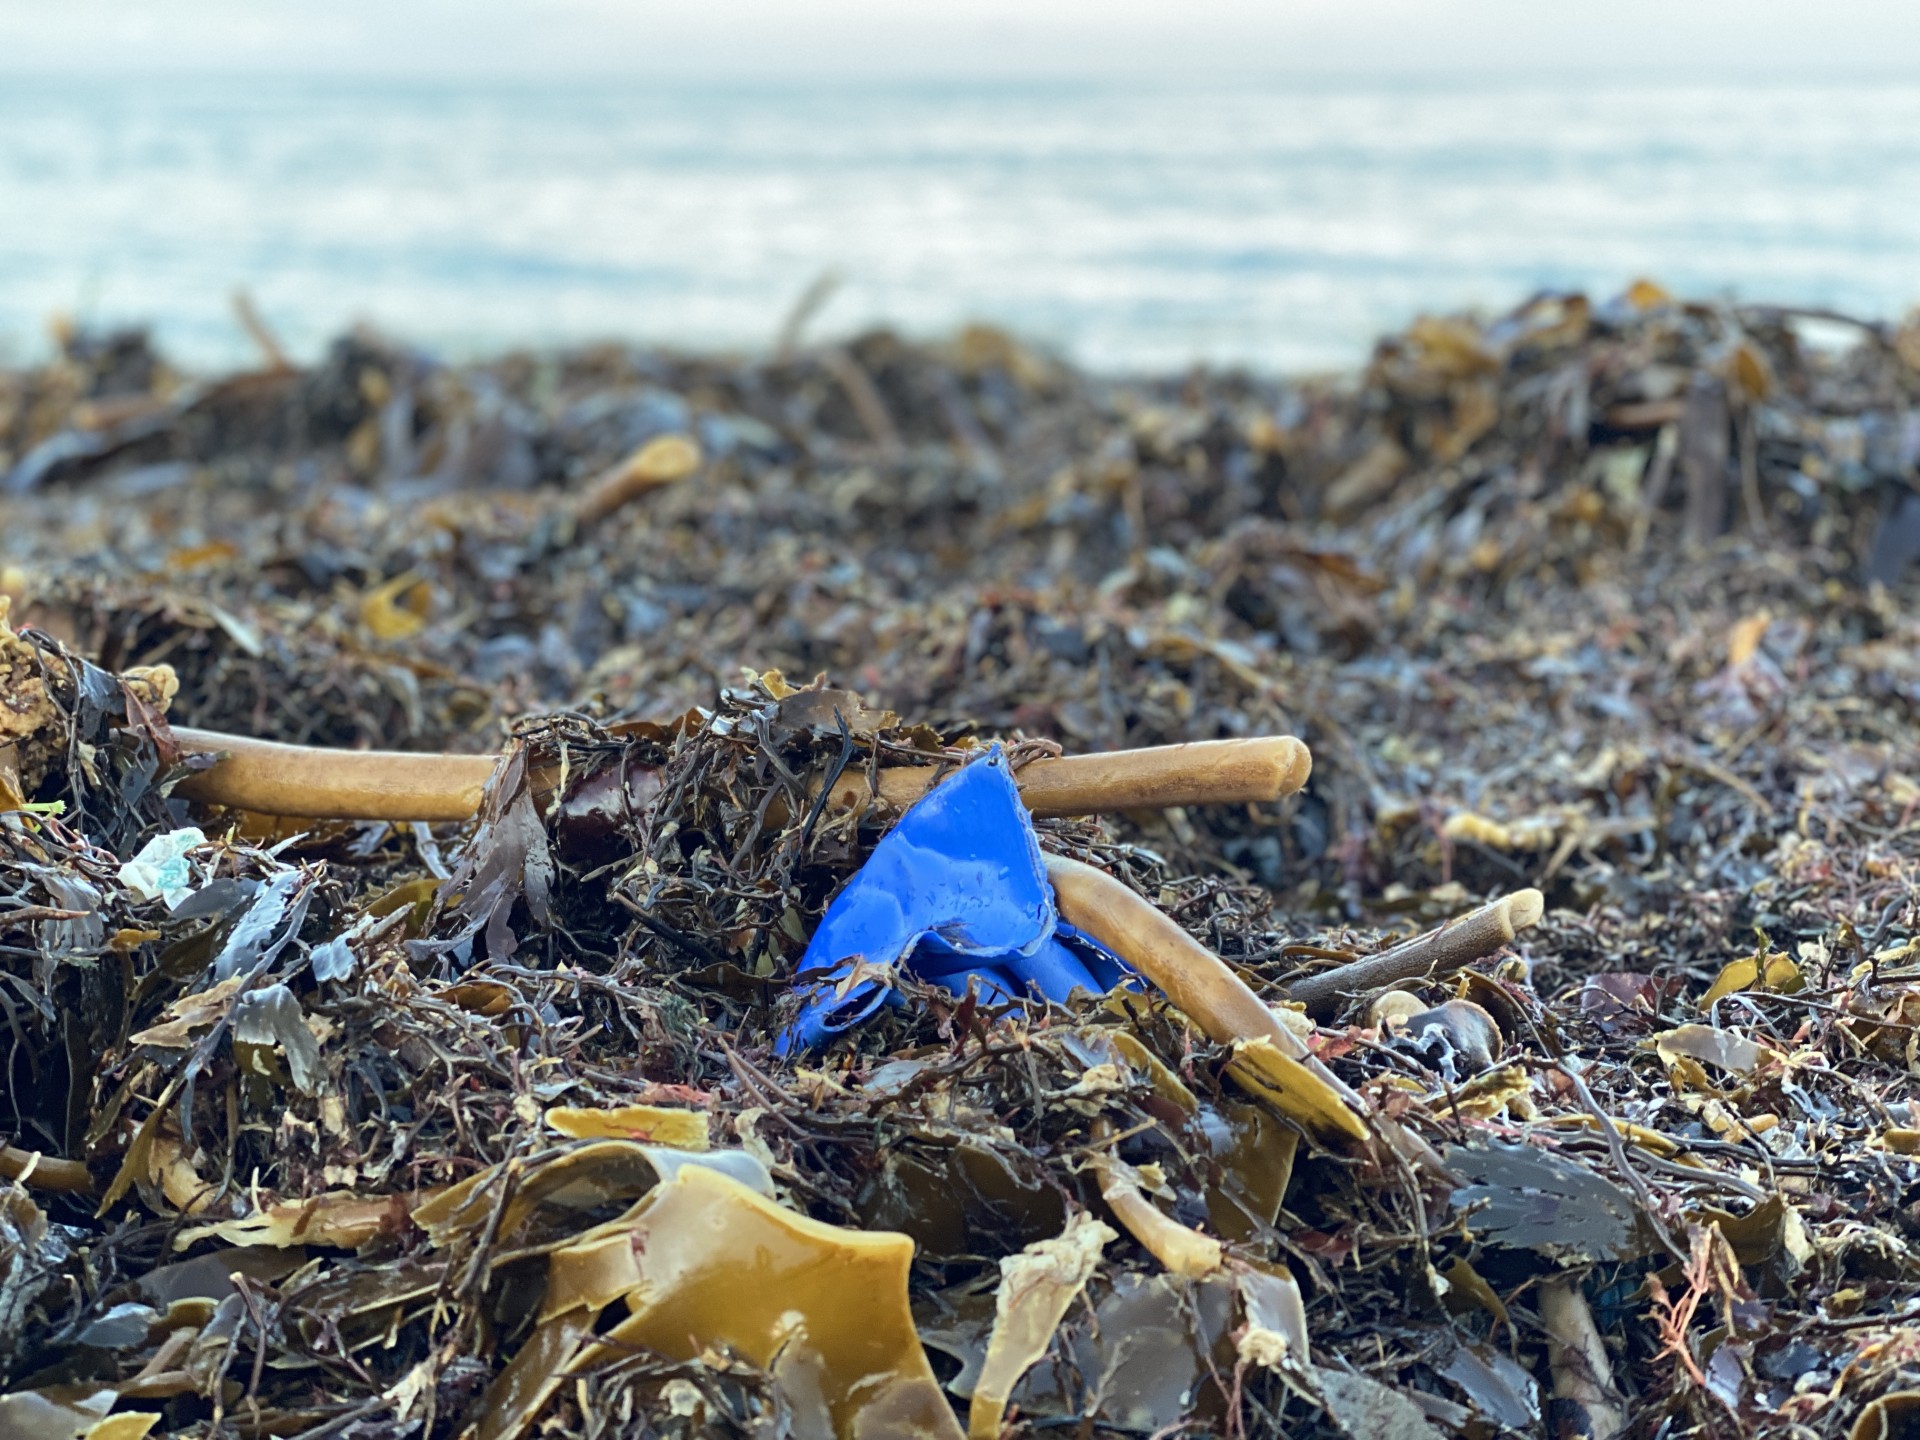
{"x":957,"y":892}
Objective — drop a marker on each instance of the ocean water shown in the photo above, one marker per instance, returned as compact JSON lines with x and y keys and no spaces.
{"x":1280,"y":225}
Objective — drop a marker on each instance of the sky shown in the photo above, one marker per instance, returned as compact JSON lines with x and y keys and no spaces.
{"x":1710,"y":39}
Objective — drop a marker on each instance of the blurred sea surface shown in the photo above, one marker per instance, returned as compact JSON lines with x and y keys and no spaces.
{"x":1281,"y":225}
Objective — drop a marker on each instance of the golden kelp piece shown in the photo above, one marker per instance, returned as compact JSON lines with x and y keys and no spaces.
{"x":1167,"y":1085}
{"x":397,"y":610}
{"x":1451,"y":347}
{"x":704,"y":1261}
{"x":722,"y":1264}
{"x":478,"y":997}
{"x":1645,"y":294}
{"x":338,"y":1218}
{"x":133,"y":1425}
{"x":1775,"y":972}
{"x":1257,"y":1166}
{"x":1260,"y":1069}
{"x":1652,"y":1141}
{"x":169,"y":1167}
{"x":557,"y":1188}
{"x":1036,"y":1287}
{"x":1756,"y":1237}
{"x":1467,"y":1288}
{"x":1747,"y":369}
{"x":1486,"y":1094}
{"x":654,"y":1124}
{"x":1535,"y":832}
{"x":189,"y":558}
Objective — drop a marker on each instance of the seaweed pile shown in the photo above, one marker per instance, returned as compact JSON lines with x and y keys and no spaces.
{"x":469,"y":1110}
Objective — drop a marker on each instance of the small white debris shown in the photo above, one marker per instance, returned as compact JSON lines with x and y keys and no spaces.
{"x":160,"y":870}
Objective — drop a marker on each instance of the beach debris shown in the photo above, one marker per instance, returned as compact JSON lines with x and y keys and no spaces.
{"x":1545,"y":1065}
{"x":160,"y":871}
{"x":957,"y":892}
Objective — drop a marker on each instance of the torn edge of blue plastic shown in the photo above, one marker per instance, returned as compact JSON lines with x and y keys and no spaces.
{"x":956,"y":893}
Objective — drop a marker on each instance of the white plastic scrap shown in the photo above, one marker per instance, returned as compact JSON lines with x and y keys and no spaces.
{"x":160,"y":870}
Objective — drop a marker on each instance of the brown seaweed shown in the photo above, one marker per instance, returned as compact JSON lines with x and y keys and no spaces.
{"x":351,"y":1123}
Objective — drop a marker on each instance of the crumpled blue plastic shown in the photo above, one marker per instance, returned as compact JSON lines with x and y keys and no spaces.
{"x":957,"y":892}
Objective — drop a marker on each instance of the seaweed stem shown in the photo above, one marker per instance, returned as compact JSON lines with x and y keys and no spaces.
{"x":1196,"y":980}
{"x":1577,"y":1359}
{"x":318,"y":783}
{"x":30,"y":1167}
{"x":1459,"y":942}
{"x":1181,"y":1249}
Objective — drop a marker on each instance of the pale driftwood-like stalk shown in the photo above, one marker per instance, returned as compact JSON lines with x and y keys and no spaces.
{"x":1195,"y":979}
{"x":1270,"y":1060}
{"x":1181,"y":1249}
{"x":322,"y":784}
{"x":1577,"y":1360}
{"x":662,"y":461}
{"x":1207,"y":772}
{"x":1459,"y":942}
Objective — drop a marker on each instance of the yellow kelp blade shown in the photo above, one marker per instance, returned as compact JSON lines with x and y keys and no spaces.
{"x":705,"y":1261}
{"x":1036,"y":1287}
{"x":1295,"y":1090}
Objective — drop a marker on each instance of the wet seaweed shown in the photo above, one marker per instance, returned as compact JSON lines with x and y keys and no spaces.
{"x":358,"y":1125}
